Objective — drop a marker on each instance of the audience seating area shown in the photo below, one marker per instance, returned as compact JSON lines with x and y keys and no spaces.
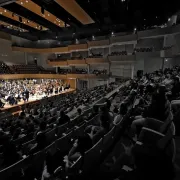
{"x":99,"y":72}
{"x":29,"y":69}
{"x":5,"y":69}
{"x":62,"y":133}
{"x":145,"y":49}
{"x":118,"y":53}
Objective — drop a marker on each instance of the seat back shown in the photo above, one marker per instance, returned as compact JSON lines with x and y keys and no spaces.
{"x":14,"y":168}
{"x":149,"y":136}
{"x":108,"y":140}
{"x":52,"y":148}
{"x":37,"y":164}
{"x":92,"y":157}
{"x":61,"y":129}
{"x":64,"y":143}
{"x":79,"y":131}
{"x":51,"y":136}
{"x":25,"y":146}
{"x":76,"y":167}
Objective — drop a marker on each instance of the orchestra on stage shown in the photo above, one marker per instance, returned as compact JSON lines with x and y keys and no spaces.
{"x":14,"y":91}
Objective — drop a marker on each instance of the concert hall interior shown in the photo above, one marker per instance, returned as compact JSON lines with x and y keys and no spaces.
{"x":89,"y":89}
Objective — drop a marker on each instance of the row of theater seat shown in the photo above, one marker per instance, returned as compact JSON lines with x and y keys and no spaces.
{"x":5,"y":69}
{"x":26,"y":69}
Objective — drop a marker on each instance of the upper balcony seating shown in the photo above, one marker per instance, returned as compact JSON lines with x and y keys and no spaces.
{"x":93,"y":55}
{"x":69,"y":71}
{"x":119,"y":53}
{"x":145,"y":49}
{"x":29,"y":69}
{"x":100,"y":72}
{"x":81,"y":71}
{"x":5,"y":69}
{"x":64,"y":71}
{"x":167,"y":47}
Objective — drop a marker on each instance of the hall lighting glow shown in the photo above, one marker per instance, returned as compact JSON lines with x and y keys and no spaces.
{"x":169,"y":19}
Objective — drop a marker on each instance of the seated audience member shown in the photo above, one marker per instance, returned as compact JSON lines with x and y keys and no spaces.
{"x":97,"y":132}
{"x":108,"y":105}
{"x":94,"y":113}
{"x":175,"y":92}
{"x":122,"y":113}
{"x":150,"y":164}
{"x":80,"y":116}
{"x":81,"y":145}
{"x":9,"y":154}
{"x":40,"y":139}
{"x":167,"y":81}
{"x":115,"y":110}
{"x":63,"y":119}
{"x":176,"y":88}
{"x":159,"y":109}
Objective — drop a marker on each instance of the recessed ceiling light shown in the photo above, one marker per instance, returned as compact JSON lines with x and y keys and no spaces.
{"x":169,"y":19}
{"x":27,"y":1}
{"x":21,"y":2}
{"x":5,"y":10}
{"x":48,"y":14}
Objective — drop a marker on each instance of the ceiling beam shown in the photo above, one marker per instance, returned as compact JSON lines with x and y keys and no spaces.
{"x":21,"y":19}
{"x":33,"y":7}
{"x":73,"y":8}
{"x":10,"y":26}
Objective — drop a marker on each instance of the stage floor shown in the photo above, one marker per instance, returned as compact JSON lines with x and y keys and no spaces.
{"x":32,"y":99}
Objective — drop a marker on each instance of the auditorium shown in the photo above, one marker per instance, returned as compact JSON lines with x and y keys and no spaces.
{"x":89,"y":90}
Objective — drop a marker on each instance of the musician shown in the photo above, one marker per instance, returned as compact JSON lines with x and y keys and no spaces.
{"x":1,"y":103}
{"x":27,"y":95}
{"x":11,"y":100}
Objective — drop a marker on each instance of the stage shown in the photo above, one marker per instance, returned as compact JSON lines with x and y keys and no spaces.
{"x":32,"y":100}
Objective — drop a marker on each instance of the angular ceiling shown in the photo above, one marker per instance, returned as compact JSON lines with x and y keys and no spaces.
{"x":71,"y":19}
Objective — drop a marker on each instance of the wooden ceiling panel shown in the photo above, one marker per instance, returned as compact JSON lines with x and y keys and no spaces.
{"x":20,"y":19}
{"x":73,"y":8}
{"x":31,"y":6}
